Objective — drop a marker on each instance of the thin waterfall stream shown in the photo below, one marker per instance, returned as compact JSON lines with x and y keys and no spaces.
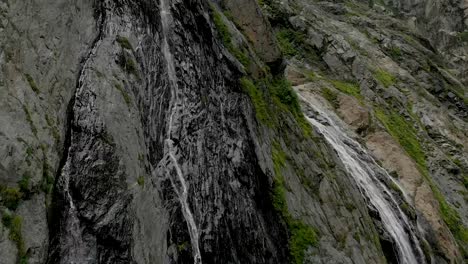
{"x":166,"y":20}
{"x":362,"y":167}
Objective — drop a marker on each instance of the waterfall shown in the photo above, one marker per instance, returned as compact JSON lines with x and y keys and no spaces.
{"x":166,"y":19}
{"x":363,"y":168}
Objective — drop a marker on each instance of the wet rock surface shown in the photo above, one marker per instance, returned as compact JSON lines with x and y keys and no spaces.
{"x":96,"y":133}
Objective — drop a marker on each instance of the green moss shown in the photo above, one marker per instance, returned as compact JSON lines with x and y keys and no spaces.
{"x":331,"y":96}
{"x":124,"y":42}
{"x":385,"y":78}
{"x":302,"y":236}
{"x":349,"y":88}
{"x":256,"y":96}
{"x":125,"y":95}
{"x":141,"y":181}
{"x":32,"y":83}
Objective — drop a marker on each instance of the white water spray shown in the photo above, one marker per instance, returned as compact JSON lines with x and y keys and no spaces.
{"x":361,"y":166}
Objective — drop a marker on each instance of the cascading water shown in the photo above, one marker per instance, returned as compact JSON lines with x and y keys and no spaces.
{"x":362,"y":167}
{"x":166,"y":20}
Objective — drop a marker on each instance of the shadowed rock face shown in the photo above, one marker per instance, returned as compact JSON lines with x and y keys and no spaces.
{"x":125,"y":130}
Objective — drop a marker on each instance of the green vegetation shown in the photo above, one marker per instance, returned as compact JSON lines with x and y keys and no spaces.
{"x":14,"y":224}
{"x":302,"y":236}
{"x":348,"y":88}
{"x":463,"y":36}
{"x":53,"y":129}
{"x":290,"y":41}
{"x":256,"y":96}
{"x":124,"y":43}
{"x":29,"y":119}
{"x":141,"y":181}
{"x":24,"y":183}
{"x":127,"y":64}
{"x":405,"y":133}
{"x":32,"y":83}
{"x":223,"y":30}
{"x":330,"y":96}
{"x":11,"y":197}
{"x":125,"y":95}
{"x":385,"y":78}
{"x":395,"y":52}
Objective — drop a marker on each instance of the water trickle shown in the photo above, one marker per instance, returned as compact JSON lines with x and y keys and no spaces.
{"x":363,"y":168}
{"x":182,"y":192}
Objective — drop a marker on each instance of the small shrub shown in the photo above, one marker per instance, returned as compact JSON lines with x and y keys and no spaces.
{"x":281,"y":88}
{"x":290,"y":41}
{"x":385,"y":78}
{"x":124,"y":43}
{"x":11,"y":197}
{"x":32,"y":83}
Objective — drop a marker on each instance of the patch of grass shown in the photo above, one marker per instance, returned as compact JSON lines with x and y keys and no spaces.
{"x":32,"y":83}
{"x":125,"y":95}
{"x":281,"y":89}
{"x":126,"y":62}
{"x":330,"y":96}
{"x":290,"y":41}
{"x":256,"y":96}
{"x":404,"y":132}
{"x":349,"y":88}
{"x":223,"y":31}
{"x":406,"y":135}
{"x":285,"y":97}
{"x":385,"y":78}
{"x":302,"y":236}
{"x":124,"y":42}
{"x":29,"y":119}
{"x":141,"y":181}
{"x":24,"y":183}
{"x":14,"y":224}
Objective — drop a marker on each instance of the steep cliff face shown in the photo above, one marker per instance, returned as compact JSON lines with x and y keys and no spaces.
{"x":166,"y":132}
